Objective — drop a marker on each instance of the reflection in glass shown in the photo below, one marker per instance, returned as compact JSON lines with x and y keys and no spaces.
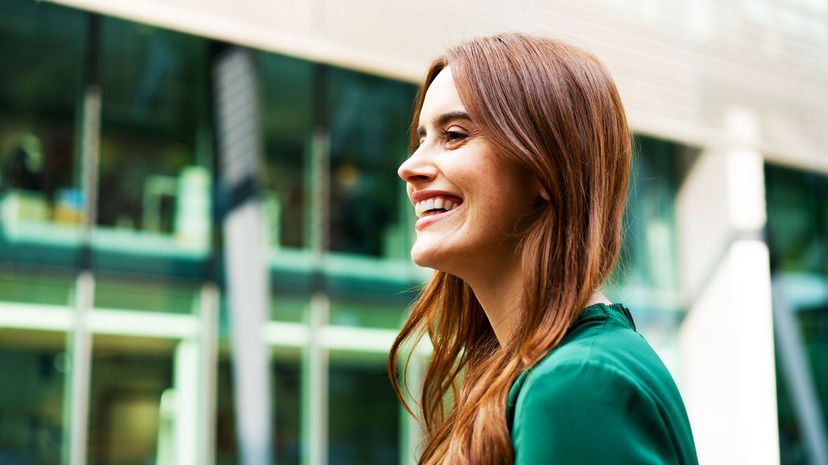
{"x":797,"y":220}
{"x":647,"y":274}
{"x":129,"y":378}
{"x":38,"y":107}
{"x":797,"y":234}
{"x":286,"y":112}
{"x":154,"y":174}
{"x":364,"y":415}
{"x":366,"y":313}
{"x":31,"y":397}
{"x":144,"y":295}
{"x":35,"y":288}
{"x":368,"y":119}
{"x":289,"y":308}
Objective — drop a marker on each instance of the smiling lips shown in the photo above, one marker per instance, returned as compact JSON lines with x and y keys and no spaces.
{"x":433,"y":206}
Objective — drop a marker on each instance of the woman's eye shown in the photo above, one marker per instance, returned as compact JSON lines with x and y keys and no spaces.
{"x":453,"y":135}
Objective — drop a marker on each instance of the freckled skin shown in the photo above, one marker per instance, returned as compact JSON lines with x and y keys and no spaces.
{"x":496,"y":192}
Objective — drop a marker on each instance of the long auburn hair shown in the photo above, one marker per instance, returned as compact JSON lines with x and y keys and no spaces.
{"x":554,"y":109}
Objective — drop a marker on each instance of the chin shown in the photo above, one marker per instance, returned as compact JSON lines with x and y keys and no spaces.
{"x":420,"y":258}
{"x":431,"y":257}
{"x":425,"y":256}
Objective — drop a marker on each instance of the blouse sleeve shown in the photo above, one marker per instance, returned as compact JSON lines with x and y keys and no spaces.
{"x":588,"y":413}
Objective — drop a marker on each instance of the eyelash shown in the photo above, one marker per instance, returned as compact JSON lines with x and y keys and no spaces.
{"x":452,"y":136}
{"x":449,"y":135}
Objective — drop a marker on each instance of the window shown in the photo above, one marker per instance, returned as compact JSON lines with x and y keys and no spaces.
{"x":646,"y":277}
{"x":40,"y":199}
{"x":368,"y":119}
{"x":285,"y":383}
{"x":31,"y":401}
{"x":797,"y":235}
{"x":286,"y":89}
{"x":128,"y":418}
{"x":364,"y":415}
{"x":155,"y":147}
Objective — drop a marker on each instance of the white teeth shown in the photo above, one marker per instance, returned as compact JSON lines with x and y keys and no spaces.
{"x":420,"y":208}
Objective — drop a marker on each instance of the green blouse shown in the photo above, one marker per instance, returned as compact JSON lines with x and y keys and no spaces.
{"x":601,"y":397}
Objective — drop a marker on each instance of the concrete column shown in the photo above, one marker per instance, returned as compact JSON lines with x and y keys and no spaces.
{"x":726,"y":341}
{"x":246,"y":246}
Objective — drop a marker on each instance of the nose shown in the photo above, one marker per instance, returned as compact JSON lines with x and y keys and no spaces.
{"x":417,"y":168}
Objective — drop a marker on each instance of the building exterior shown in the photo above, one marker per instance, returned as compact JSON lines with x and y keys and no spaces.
{"x":122,"y":289}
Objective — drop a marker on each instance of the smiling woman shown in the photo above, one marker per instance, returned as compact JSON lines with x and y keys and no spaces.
{"x":518,"y":173}
{"x":455,"y":161}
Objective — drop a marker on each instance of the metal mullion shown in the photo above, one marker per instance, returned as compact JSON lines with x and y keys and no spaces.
{"x":208,"y":307}
{"x":316,"y":364}
{"x":315,"y":386}
{"x":80,"y":338}
{"x":410,"y":428}
{"x":797,"y":375}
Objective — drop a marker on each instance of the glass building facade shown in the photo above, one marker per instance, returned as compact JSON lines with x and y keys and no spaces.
{"x":155,"y":252}
{"x":798,"y":242}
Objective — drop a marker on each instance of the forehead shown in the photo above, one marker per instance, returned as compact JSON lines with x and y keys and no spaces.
{"x":440,"y":98}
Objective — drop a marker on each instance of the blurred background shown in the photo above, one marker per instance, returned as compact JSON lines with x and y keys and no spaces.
{"x":202,"y":230}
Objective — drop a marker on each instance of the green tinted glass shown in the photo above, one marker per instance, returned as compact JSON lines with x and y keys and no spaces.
{"x":286,"y":379}
{"x":31,"y":396}
{"x":286,"y":90}
{"x":368,"y":119}
{"x":155,"y":147}
{"x":289,"y":309}
{"x":366,"y":314}
{"x":364,"y":415}
{"x":145,"y":295}
{"x":797,"y":220}
{"x":797,"y":235}
{"x":36,"y":288}
{"x":128,"y":418}
{"x":646,"y":277}
{"x":40,"y":200}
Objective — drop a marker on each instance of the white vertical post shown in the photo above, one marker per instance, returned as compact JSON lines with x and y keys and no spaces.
{"x":726,"y":341}
{"x":208,"y":308}
{"x":315,"y":370}
{"x":80,"y":362}
{"x":247,"y":279}
{"x":410,"y":427}
{"x":80,"y":352}
{"x":246,"y":245}
{"x":186,"y":405}
{"x":315,"y":383}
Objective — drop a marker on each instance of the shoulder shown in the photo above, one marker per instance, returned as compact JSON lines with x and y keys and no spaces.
{"x":604,"y":392}
{"x":588,"y":412}
{"x":584,"y":387}
{"x":601,"y":361}
{"x":603,"y":348}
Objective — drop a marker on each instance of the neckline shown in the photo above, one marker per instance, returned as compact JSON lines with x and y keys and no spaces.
{"x":601,"y":311}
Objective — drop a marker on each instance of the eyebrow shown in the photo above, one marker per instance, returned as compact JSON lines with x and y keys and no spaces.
{"x":444,"y":119}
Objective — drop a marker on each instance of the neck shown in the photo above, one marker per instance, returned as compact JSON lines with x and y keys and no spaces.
{"x":500,"y":294}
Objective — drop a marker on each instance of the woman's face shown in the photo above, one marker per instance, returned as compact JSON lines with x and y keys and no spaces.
{"x":468,"y":198}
